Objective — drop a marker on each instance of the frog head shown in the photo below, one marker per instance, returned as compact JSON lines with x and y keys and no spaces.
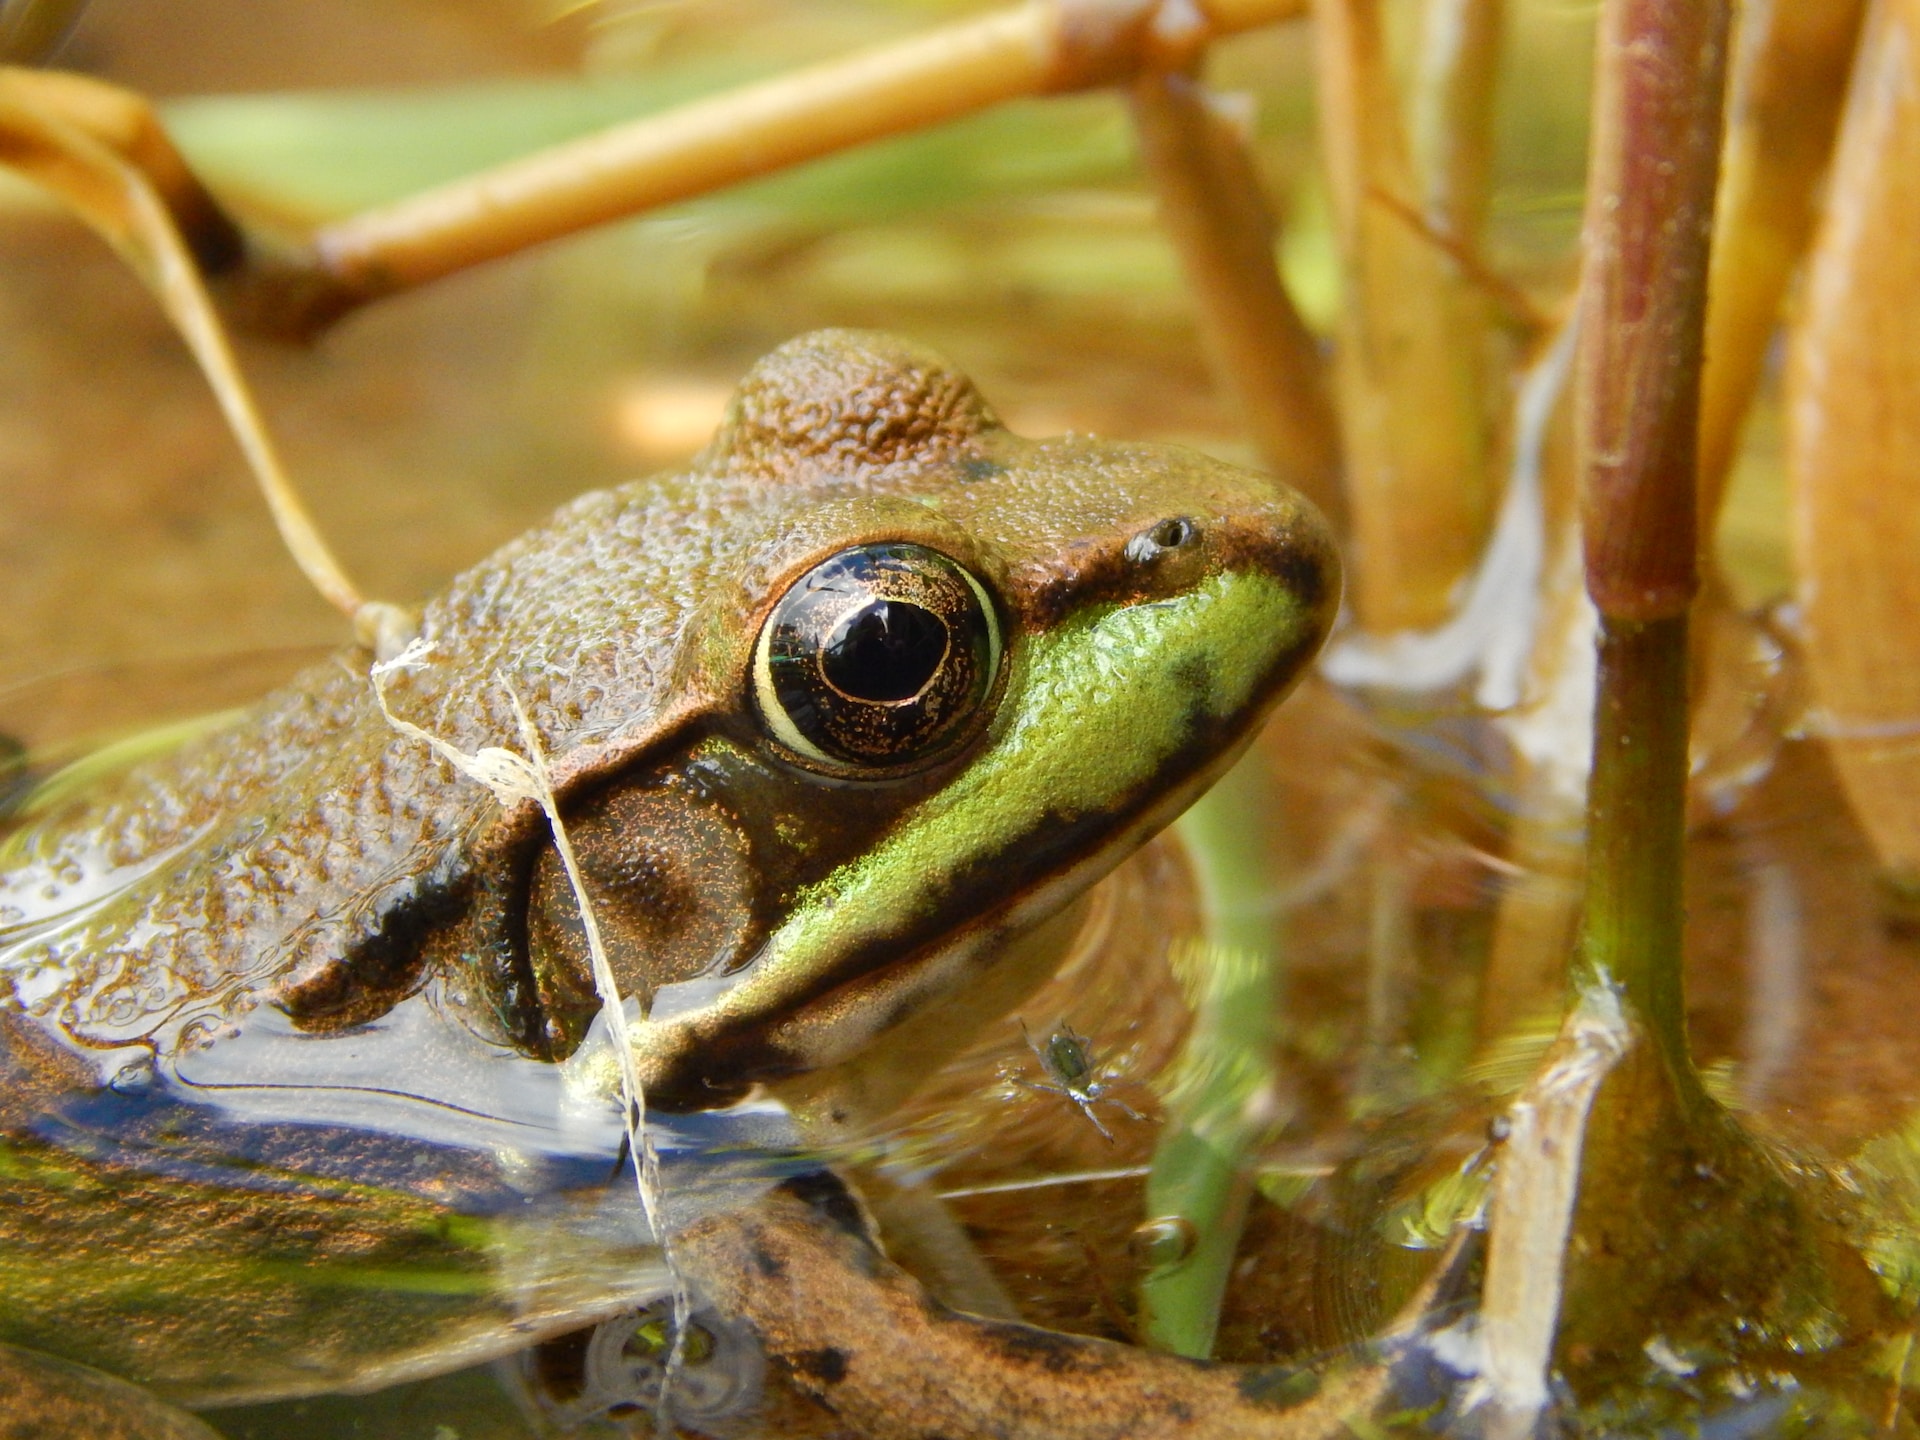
{"x":921,"y":683}
{"x":832,"y":716}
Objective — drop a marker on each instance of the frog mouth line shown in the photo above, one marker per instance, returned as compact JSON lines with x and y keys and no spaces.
{"x":1126,"y":715}
{"x":695,"y":1066}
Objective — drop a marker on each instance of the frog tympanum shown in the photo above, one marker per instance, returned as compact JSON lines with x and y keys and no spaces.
{"x":298,"y":1025}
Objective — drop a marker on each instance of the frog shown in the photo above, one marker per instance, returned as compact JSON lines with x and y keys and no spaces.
{"x":304,"y":1066}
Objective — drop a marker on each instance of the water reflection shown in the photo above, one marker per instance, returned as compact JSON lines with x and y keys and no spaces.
{"x":1393,"y":896}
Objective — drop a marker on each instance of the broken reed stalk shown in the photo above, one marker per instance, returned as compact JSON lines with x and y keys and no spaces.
{"x":1408,"y":371}
{"x":1217,"y":219}
{"x":1656,"y":154}
{"x":99,"y":150}
{"x":1453,"y":114}
{"x":1040,"y":47}
{"x":1787,"y":79}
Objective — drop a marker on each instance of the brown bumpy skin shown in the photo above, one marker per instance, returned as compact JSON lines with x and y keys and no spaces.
{"x":831,"y":406}
{"x":308,"y":854}
{"x":42,"y":1399}
{"x":312,"y":857}
{"x":843,"y":1324}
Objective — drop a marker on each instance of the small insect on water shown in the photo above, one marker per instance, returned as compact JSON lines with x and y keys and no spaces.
{"x":1073,"y":1072}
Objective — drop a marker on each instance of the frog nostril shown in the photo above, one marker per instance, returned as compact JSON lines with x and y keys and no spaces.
{"x":1170,"y":534}
{"x":1174,"y":533}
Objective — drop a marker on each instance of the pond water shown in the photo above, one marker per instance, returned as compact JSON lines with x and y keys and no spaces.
{"x":1417,"y":884}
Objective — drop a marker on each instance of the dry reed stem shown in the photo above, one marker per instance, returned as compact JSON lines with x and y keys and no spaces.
{"x":1041,"y":47}
{"x":1412,"y":421}
{"x":1453,"y":113}
{"x":1213,"y":211}
{"x":125,"y":124}
{"x":1790,"y":62}
{"x":1853,"y":448}
{"x":100,"y":150}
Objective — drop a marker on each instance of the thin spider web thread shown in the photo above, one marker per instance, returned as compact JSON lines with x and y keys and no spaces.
{"x":513,"y":778}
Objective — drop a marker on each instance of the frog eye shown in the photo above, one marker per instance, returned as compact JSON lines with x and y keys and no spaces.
{"x":878,"y":657}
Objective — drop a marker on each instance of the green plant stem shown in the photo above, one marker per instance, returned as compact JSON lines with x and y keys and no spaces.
{"x":1193,"y":1178}
{"x":1636,"y":812}
{"x":1216,"y":1112}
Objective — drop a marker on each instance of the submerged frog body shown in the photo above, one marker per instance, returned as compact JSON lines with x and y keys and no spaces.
{"x":301,"y":1084}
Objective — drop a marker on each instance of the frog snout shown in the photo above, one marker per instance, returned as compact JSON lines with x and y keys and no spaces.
{"x":1291,"y":543}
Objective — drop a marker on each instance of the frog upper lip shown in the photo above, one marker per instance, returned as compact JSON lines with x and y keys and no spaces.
{"x":702,"y":1061}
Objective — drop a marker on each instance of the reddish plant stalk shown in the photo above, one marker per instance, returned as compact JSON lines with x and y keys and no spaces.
{"x":1643,"y":291}
{"x":1655,"y":165}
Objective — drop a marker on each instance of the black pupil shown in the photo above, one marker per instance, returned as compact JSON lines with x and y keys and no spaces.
{"x":886,"y":650}
{"x":882,"y":656}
